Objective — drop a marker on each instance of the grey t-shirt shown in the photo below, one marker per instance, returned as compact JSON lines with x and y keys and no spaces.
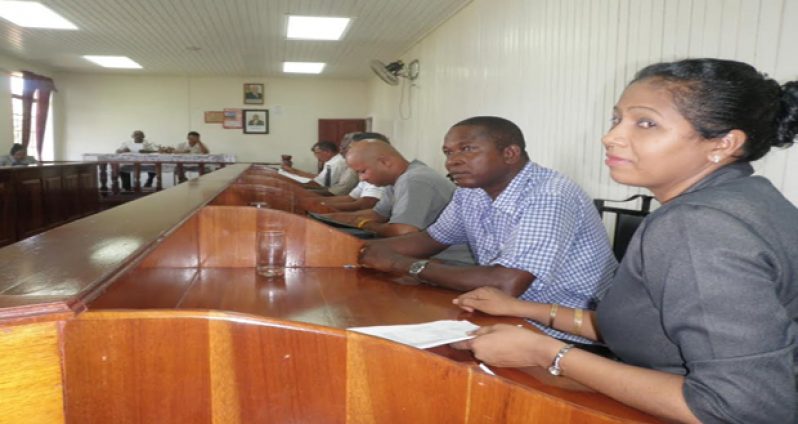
{"x":708,"y":289}
{"x":417,"y":198}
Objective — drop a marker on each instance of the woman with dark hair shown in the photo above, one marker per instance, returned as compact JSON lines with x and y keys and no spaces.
{"x":17,"y":157}
{"x":703,"y":310}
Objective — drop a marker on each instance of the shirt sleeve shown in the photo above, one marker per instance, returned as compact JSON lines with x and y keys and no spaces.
{"x":371,"y":190}
{"x":717,"y":281}
{"x":449,"y":228}
{"x":345,"y":182}
{"x":385,"y":206}
{"x":417,"y":204}
{"x":540,"y":242}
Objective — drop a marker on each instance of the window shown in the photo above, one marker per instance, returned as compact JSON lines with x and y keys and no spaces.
{"x":17,"y":84}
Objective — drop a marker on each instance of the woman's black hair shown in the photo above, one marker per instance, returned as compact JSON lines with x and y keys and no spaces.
{"x":16,"y":147}
{"x":718,"y":96}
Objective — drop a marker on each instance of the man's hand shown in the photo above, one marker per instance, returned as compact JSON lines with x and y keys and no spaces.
{"x":344,"y":218}
{"x":489,"y":300}
{"x":382,"y":258}
{"x":506,"y":345}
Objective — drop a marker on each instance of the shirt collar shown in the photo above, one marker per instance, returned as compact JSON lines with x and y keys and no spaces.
{"x":335,"y":159}
{"x":511,"y":195}
{"x":723,"y":175}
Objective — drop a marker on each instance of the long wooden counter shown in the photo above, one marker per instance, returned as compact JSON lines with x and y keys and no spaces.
{"x":169,"y":258}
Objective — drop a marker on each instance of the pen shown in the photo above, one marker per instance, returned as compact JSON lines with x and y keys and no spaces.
{"x":485,"y":368}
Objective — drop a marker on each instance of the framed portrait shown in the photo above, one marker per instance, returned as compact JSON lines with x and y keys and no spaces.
{"x":256,"y":121}
{"x":232,"y":119}
{"x":253,"y":94}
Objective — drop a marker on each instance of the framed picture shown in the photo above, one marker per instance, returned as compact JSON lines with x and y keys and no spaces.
{"x":253,"y":94}
{"x":232,"y":119}
{"x":214,"y":117}
{"x":256,"y":121}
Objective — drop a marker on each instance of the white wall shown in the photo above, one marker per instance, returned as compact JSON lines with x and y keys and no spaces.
{"x":101,"y":111}
{"x":556,"y":67}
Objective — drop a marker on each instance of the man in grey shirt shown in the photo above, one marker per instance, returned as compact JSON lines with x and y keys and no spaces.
{"x":414,"y":197}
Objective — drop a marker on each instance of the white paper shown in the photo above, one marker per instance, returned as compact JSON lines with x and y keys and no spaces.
{"x":294,"y":177}
{"x":422,"y":336}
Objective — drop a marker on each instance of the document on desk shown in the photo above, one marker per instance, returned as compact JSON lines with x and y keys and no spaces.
{"x":422,"y":336}
{"x":297,"y":178}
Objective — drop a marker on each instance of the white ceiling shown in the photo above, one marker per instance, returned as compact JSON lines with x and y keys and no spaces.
{"x":235,"y":37}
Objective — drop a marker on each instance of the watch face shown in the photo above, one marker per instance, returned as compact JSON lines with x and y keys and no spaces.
{"x":417,"y":267}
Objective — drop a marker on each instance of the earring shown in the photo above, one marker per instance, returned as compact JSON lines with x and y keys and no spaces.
{"x":715,"y":158}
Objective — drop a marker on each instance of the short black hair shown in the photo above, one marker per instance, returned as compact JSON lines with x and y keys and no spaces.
{"x":717,"y":96}
{"x":327,"y":146}
{"x":190,"y":133}
{"x":502,"y":131}
{"x":16,"y":147}
{"x":370,"y":136}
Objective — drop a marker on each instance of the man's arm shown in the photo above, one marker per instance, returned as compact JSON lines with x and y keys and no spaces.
{"x":203,"y":148}
{"x":396,"y":255}
{"x":372,"y":221}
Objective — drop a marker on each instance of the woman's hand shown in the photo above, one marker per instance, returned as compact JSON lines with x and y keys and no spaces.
{"x":489,"y":300}
{"x":506,"y":345}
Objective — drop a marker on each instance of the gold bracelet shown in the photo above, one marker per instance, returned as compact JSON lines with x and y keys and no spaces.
{"x":552,"y":314}
{"x":362,"y":222}
{"x":578,"y":321}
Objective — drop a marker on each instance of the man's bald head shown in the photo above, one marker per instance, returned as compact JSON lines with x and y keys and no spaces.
{"x":376,"y":161}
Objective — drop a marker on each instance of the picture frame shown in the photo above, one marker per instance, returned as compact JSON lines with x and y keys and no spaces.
{"x":256,"y":121}
{"x":232,"y":119}
{"x":214,"y":117}
{"x":253,"y":93}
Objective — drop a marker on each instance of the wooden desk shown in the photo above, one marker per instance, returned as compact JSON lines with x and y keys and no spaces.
{"x":173,"y":257}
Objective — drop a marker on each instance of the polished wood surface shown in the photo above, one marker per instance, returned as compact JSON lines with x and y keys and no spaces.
{"x":30,"y":365}
{"x":34,"y":199}
{"x":64,"y":265}
{"x":232,"y":368}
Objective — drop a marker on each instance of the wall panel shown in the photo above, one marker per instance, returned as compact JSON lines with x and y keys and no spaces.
{"x":556,"y":67}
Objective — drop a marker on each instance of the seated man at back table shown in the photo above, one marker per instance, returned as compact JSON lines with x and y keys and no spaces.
{"x":363,"y":195}
{"x":534,"y":233}
{"x":137,"y":144}
{"x":192,"y":145}
{"x":333,"y":166}
{"x":17,"y":157}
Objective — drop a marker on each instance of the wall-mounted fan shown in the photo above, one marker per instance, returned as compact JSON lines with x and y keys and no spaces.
{"x":391,"y":72}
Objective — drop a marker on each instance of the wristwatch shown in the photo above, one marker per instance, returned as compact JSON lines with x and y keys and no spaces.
{"x":555,"y":369}
{"x":417,"y":267}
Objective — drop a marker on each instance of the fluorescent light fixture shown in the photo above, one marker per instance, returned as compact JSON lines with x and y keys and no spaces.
{"x":33,"y":15}
{"x":113,"y":62}
{"x":303,"y":67}
{"x":316,"y":28}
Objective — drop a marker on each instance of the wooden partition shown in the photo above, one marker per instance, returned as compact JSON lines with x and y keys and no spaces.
{"x":36,"y":198}
{"x":213,"y":367}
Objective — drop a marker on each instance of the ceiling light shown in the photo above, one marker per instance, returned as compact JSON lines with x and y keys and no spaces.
{"x":114,"y":62}
{"x":303,"y":67}
{"x":33,"y":15}
{"x":316,"y":28}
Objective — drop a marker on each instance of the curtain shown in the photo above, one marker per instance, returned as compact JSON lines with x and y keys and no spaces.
{"x":45,"y":86}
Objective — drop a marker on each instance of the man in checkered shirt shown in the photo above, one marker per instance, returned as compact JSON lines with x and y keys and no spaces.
{"x":534,"y":233}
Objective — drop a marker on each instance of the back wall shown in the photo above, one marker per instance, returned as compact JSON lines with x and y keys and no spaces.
{"x":99,"y":111}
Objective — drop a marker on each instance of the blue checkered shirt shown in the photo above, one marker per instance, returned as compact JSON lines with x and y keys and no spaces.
{"x":542,"y":223}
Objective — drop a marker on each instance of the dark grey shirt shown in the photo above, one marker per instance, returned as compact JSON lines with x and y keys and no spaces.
{"x":708,"y":289}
